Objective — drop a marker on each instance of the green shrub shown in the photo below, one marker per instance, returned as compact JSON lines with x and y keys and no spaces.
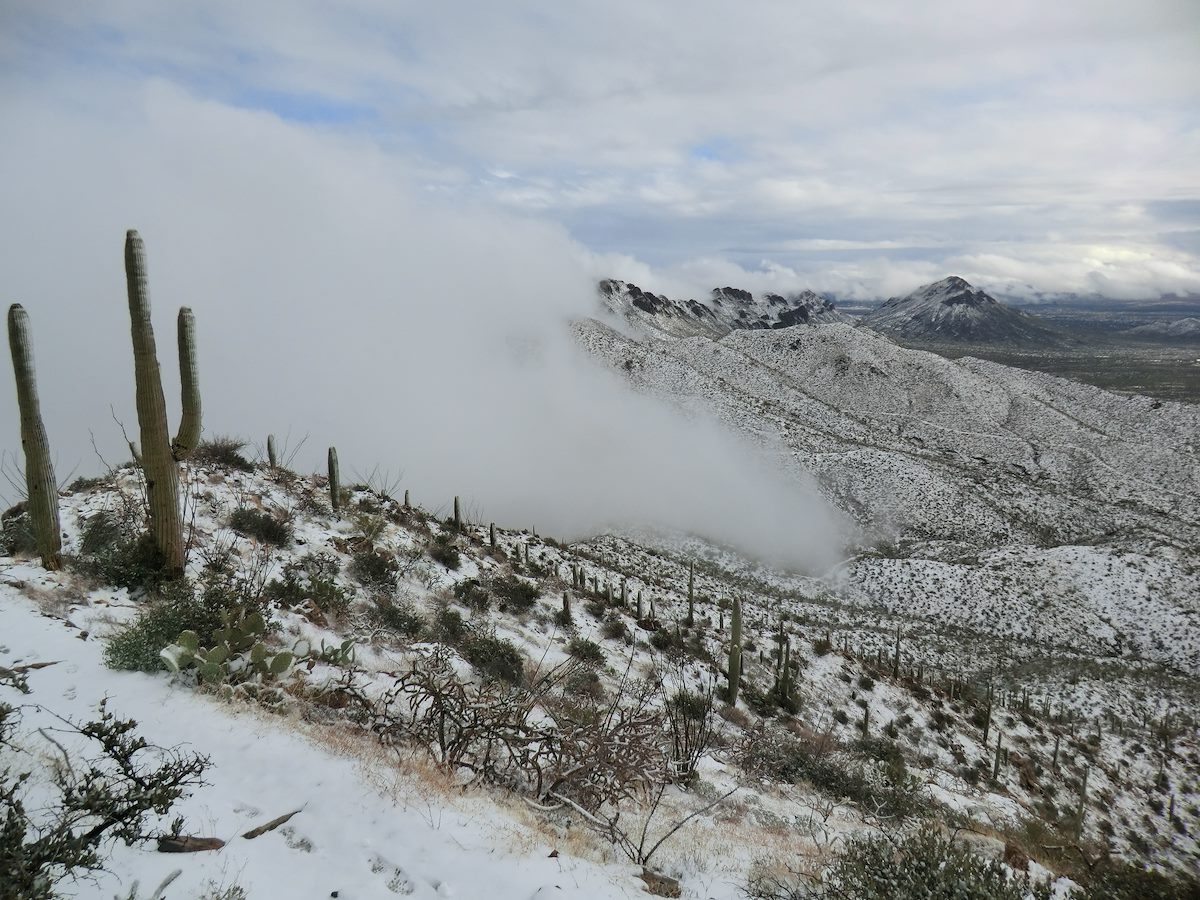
{"x":588,"y":652}
{"x":16,"y":533}
{"x":515,"y":594}
{"x":925,"y":865}
{"x":443,"y":551}
{"x":614,"y":628}
{"x":666,"y":639}
{"x":494,"y":658}
{"x":449,"y":626}
{"x":174,"y":609}
{"x":312,"y":577}
{"x":375,"y":569}
{"x":223,"y":451}
{"x":112,"y":556}
{"x":1116,"y":880}
{"x":260,"y":525}
{"x":473,"y":594}
{"x":398,"y":616}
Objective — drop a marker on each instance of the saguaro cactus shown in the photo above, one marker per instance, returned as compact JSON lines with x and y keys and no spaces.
{"x":492,"y":535}
{"x":735,"y":651}
{"x":188,"y":435}
{"x":158,"y":461}
{"x":457,"y":515}
{"x":40,"y":485}
{"x":691,"y":616}
{"x":272,"y":455}
{"x":335,"y":481}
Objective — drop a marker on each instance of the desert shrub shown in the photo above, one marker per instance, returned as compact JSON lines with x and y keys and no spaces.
{"x":449,"y":627}
{"x":86,"y":805}
{"x":473,"y":594}
{"x":399,"y":616}
{"x":312,"y":577}
{"x":614,"y":628}
{"x":515,"y":593}
{"x":822,"y":646}
{"x":84,"y":483}
{"x":443,"y":551}
{"x":1116,"y":880}
{"x":867,"y":683}
{"x":375,"y":569}
{"x":222,"y":450}
{"x":922,"y":865}
{"x":880,"y":787}
{"x":666,"y":639}
{"x":587,"y":652}
{"x":260,"y":525}
{"x":111,"y":555}
{"x":16,"y":533}
{"x":596,"y":608}
{"x":173,"y":609}
{"x":494,"y":658}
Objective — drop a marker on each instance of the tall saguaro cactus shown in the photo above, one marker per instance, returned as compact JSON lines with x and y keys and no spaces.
{"x":158,"y":461}
{"x":188,"y":435}
{"x":335,"y":482}
{"x":40,"y":485}
{"x":691,"y":616}
{"x":735,"y":651}
{"x":272,"y":454}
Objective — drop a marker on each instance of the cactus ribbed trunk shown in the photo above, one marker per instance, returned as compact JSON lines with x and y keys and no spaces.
{"x":735,"y":651}
{"x":272,"y":455}
{"x":188,"y":435}
{"x":458,"y":517}
{"x":492,"y":535}
{"x":41,"y":487}
{"x":158,"y":462}
{"x":335,"y":482}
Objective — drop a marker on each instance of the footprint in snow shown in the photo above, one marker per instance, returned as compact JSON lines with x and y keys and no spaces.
{"x":69,"y":693}
{"x":397,"y":880}
{"x":296,"y":841}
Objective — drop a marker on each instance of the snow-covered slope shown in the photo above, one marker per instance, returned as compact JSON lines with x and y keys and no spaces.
{"x":952,"y":310}
{"x":727,"y":309}
{"x":969,"y":469}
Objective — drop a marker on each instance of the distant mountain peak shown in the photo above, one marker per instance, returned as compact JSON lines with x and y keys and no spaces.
{"x":954,"y":310}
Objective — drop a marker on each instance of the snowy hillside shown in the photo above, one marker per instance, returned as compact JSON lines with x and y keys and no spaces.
{"x":870,"y":729}
{"x":1180,"y":329}
{"x":952,"y":310}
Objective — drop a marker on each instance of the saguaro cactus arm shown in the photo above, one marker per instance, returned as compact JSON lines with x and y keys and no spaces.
{"x":158,"y":462}
{"x":40,"y":484}
{"x":188,"y":435}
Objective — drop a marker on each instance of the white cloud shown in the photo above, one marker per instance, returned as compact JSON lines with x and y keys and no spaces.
{"x":334,"y":300}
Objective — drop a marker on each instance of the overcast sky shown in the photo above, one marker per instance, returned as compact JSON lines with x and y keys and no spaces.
{"x":858,"y":147}
{"x":382,"y":212}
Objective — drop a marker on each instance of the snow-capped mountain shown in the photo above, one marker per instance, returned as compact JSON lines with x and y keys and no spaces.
{"x":953,"y":310}
{"x":727,"y":309}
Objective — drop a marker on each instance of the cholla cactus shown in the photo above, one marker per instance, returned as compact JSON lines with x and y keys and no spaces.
{"x":40,"y":485}
{"x":158,"y":460}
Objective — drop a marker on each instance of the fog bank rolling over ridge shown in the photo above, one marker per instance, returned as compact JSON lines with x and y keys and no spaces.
{"x":336,"y":300}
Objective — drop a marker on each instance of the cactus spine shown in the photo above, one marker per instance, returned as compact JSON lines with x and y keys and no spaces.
{"x":335,"y":482}
{"x":735,"y":651}
{"x":691,"y":616}
{"x":272,"y":456}
{"x":41,"y":487}
{"x":158,"y":461}
{"x":188,"y":435}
